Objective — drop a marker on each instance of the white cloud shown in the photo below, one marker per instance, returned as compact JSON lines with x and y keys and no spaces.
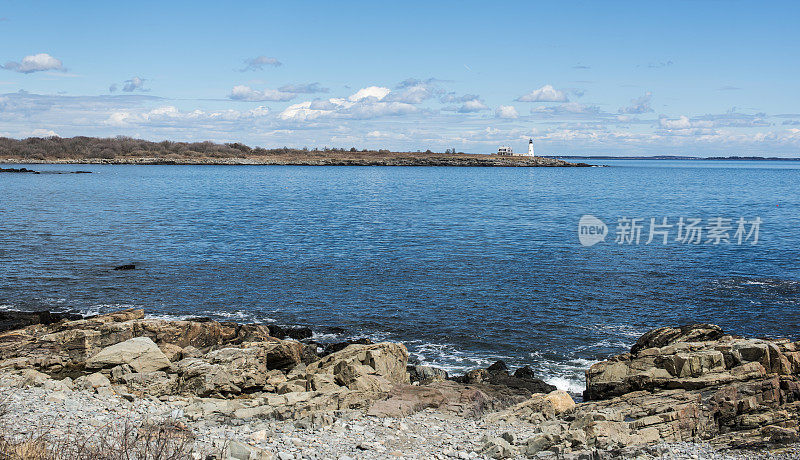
{"x":413,"y":95}
{"x":259,"y":62}
{"x":364,"y":107}
{"x":387,"y":135}
{"x":680,"y":123}
{"x":170,"y":114}
{"x":470,"y":103}
{"x":134,"y":84}
{"x":369,"y":109}
{"x":452,"y":98}
{"x":118,"y":119}
{"x":544,"y":94}
{"x":305,"y":88}
{"x":35,"y":63}
{"x":378,"y":92}
{"x":735,"y":119}
{"x":506,"y":111}
{"x":304,"y":112}
{"x":41,"y":132}
{"x":340,"y":122}
{"x":729,"y":119}
{"x":471,"y":106}
{"x":414,"y":91}
{"x":246,"y":93}
{"x":570,"y":108}
{"x":639,"y":105}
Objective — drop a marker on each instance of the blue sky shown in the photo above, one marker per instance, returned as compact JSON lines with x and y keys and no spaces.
{"x":628,"y":78}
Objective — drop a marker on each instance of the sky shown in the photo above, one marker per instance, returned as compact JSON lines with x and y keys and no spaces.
{"x":698,"y":78}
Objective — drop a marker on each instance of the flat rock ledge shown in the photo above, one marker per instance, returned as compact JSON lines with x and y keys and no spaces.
{"x":236,"y":392}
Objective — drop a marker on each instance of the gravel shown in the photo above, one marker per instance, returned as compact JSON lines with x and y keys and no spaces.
{"x":424,"y":435}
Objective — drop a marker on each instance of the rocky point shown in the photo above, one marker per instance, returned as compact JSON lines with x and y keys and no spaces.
{"x":692,"y":384}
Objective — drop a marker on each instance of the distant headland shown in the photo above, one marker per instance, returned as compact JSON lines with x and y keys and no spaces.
{"x":125,"y":150}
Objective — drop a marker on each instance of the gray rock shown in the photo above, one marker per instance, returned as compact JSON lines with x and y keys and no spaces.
{"x":141,"y":353}
{"x":498,"y":448}
{"x":426,"y":374}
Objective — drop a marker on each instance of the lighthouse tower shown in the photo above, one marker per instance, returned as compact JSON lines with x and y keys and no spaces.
{"x":530,"y":148}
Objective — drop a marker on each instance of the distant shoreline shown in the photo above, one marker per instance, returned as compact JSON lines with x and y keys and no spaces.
{"x":672,"y":157}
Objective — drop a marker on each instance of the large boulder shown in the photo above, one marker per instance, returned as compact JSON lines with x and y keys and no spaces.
{"x":538,"y":408}
{"x":285,"y":354}
{"x":201,"y":378}
{"x":141,"y":353}
{"x":247,"y":367}
{"x":386,"y":360}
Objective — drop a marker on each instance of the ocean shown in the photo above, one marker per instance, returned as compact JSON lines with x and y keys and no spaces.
{"x":464,"y":265}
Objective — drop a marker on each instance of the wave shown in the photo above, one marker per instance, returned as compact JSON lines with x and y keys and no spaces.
{"x":573,"y":386}
{"x":765,"y":285}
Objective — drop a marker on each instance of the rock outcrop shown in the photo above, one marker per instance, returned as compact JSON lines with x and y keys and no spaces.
{"x":198,"y":358}
{"x":692,"y":383}
{"x":696,"y":382}
{"x":687,"y":384}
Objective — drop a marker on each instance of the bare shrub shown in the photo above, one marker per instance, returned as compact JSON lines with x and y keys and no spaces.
{"x":167,"y":440}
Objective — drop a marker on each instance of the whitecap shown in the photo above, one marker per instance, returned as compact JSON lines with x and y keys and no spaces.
{"x":573,"y":386}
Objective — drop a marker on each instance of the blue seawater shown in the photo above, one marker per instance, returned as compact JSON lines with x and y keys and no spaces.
{"x":464,"y":265}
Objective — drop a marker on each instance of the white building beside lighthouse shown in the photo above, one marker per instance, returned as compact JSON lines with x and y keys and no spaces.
{"x":506,"y":151}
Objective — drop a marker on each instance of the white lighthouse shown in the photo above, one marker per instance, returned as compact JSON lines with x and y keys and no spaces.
{"x":530,"y":148}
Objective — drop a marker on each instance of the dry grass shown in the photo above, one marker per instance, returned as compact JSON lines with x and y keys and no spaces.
{"x":167,"y":440}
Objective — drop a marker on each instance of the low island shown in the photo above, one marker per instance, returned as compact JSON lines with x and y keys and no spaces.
{"x":124,"y":150}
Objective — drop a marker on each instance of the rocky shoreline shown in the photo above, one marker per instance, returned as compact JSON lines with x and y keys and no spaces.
{"x":322,"y":160}
{"x":250,"y":391}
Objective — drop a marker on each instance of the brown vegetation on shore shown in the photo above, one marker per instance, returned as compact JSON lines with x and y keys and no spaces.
{"x":125,"y":150}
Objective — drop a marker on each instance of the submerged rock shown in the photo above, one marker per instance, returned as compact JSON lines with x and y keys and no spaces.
{"x":18,"y":170}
